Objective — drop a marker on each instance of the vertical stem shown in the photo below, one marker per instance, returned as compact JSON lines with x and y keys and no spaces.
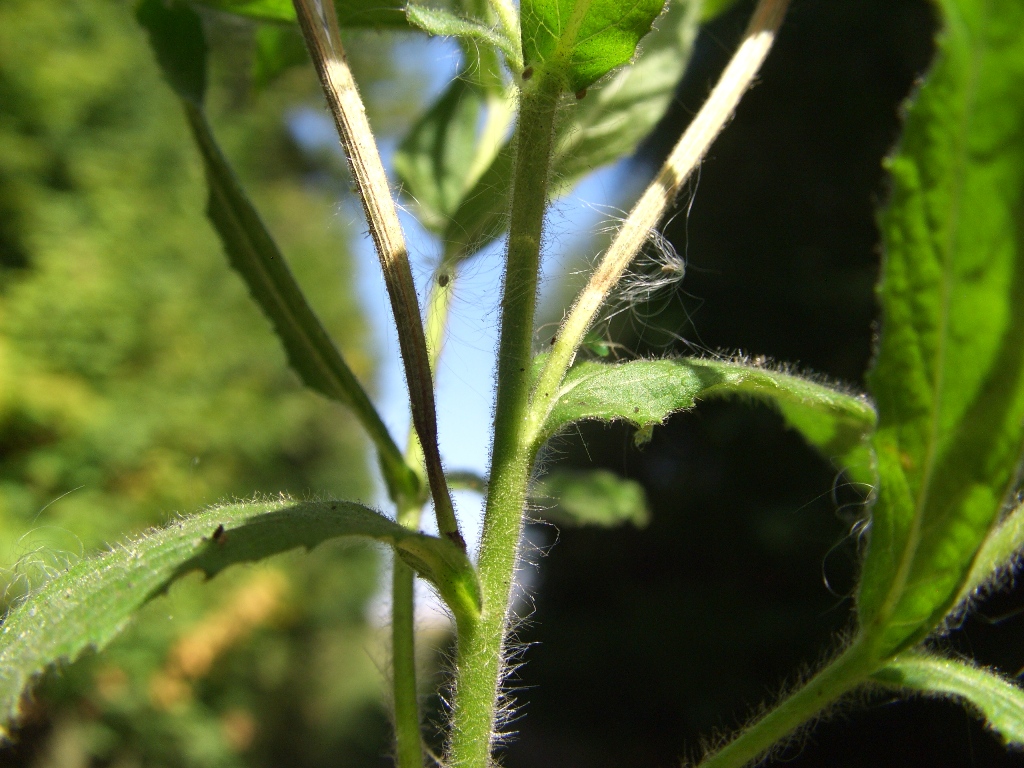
{"x":408,"y":742}
{"x":408,"y":739}
{"x":324,"y":43}
{"x":481,"y":650}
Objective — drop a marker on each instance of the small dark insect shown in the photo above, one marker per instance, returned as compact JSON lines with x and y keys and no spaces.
{"x":581,"y":93}
{"x":527,"y":73}
{"x":219,"y":535}
{"x":553,"y":340}
{"x":443,"y":279}
{"x":636,"y":409}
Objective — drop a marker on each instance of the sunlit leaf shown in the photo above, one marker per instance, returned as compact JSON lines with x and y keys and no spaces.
{"x":998,"y":556}
{"x":590,"y":497}
{"x":645,"y":392}
{"x":580,"y":41}
{"x":949,"y":373}
{"x":604,"y":127}
{"x":90,"y":603}
{"x":998,"y":701}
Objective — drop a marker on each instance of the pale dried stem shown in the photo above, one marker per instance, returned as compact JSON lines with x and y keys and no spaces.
{"x":325,"y":48}
{"x":685,"y":157}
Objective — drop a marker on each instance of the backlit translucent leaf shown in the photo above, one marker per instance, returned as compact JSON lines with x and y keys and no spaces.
{"x":645,"y":392}
{"x":604,"y":127}
{"x":590,"y":497}
{"x":580,"y":41}
{"x":434,"y":161}
{"x":90,"y":603}
{"x":949,"y":374}
{"x":998,"y":556}
{"x":996,"y":699}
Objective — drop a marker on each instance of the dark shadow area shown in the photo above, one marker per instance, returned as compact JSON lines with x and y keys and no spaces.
{"x":643,"y":642}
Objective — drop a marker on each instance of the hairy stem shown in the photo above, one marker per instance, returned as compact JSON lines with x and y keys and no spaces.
{"x":324,"y":43}
{"x":844,"y":674}
{"x":655,"y":201}
{"x":481,"y":650}
{"x":408,"y":742}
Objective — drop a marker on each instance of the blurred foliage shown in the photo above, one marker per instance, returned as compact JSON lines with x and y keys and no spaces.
{"x":138,"y":379}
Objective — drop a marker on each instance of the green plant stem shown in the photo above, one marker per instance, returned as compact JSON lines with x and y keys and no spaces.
{"x":408,"y":743}
{"x":685,"y":157}
{"x":408,"y":740}
{"x":842,"y":675}
{"x":481,"y":648}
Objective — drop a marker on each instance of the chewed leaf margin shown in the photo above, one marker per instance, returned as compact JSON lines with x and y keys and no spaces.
{"x":92,"y":601}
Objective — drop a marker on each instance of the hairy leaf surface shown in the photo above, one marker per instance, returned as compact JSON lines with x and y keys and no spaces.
{"x":998,"y":700}
{"x":949,"y":373}
{"x":91,"y":602}
{"x":645,"y":392}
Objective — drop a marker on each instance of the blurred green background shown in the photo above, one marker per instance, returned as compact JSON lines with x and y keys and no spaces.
{"x":138,"y":380}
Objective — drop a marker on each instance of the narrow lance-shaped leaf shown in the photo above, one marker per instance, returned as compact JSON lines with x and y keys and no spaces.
{"x":604,"y":127}
{"x":90,"y":603}
{"x":949,"y":373}
{"x":580,"y":41}
{"x":378,"y":14}
{"x":998,"y":700}
{"x":177,"y":39}
{"x":645,"y":392}
{"x":590,"y":497}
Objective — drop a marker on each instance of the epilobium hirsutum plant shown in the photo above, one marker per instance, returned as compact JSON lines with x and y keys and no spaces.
{"x":938,"y":439}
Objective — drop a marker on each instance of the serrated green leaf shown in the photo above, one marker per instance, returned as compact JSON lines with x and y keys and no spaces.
{"x":254,"y":254}
{"x":90,"y":603}
{"x":176,"y":36}
{"x":434,"y":161}
{"x":998,"y":700}
{"x":311,"y":352}
{"x":949,"y":373}
{"x":591,"y":497}
{"x":379,"y":14}
{"x":437,"y":21}
{"x":278,"y":48}
{"x":645,"y":392}
{"x":611,"y":122}
{"x":604,"y":127}
{"x":578,"y":42}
